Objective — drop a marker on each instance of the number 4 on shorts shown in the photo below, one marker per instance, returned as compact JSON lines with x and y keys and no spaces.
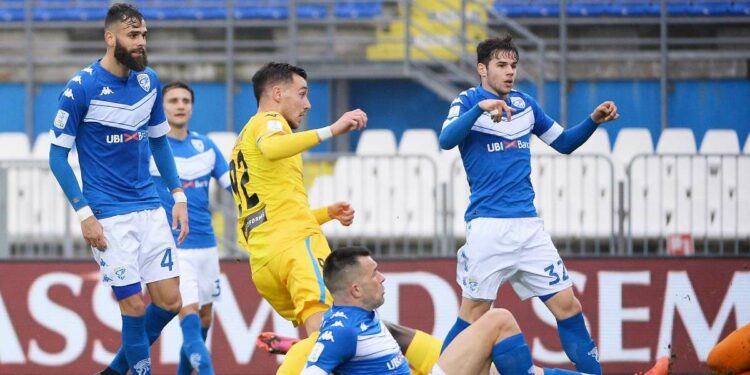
{"x":166,"y":261}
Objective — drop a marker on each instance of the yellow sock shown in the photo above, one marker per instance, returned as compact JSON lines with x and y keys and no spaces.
{"x":423,"y":353}
{"x":296,"y":357}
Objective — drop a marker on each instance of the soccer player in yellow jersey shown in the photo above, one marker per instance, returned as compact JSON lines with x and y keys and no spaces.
{"x":276,"y":225}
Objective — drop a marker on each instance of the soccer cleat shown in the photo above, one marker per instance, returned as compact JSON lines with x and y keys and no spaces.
{"x":661,"y":367}
{"x":275,"y":344}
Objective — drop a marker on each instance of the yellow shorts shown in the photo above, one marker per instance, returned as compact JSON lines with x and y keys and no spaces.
{"x":292,"y":282}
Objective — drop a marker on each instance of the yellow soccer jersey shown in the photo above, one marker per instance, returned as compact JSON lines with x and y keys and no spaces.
{"x":268,"y":188}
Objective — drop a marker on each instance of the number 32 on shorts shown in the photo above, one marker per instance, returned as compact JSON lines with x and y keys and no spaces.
{"x":551,"y":271}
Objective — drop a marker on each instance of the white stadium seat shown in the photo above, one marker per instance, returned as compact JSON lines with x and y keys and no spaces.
{"x":747,"y":145}
{"x":419,"y":142}
{"x":224,"y":141}
{"x":41,"y":147}
{"x":679,"y":207}
{"x":14,"y":146}
{"x":376,"y":142}
{"x":597,"y":144}
{"x":722,"y":148}
{"x":630,"y":143}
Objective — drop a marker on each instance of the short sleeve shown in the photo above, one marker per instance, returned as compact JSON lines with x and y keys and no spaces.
{"x":71,"y":109}
{"x":545,"y":127}
{"x":157,"y":124}
{"x":334,"y":347}
{"x":221,"y":168}
{"x":269,"y":124}
{"x":457,"y":108}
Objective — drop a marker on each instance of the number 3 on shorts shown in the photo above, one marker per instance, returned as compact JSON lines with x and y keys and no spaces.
{"x":551,"y":271}
{"x":166,"y":261}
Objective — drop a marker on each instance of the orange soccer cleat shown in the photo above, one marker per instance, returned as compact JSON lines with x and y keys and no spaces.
{"x":275,"y":344}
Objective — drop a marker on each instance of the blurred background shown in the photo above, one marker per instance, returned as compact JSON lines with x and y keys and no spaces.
{"x":666,"y":186}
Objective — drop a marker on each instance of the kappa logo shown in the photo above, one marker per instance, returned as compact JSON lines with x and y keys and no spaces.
{"x":106,"y":279}
{"x":106,"y":91}
{"x":339,"y":314}
{"x":89,"y":70}
{"x":76,"y":79}
{"x":68,"y":93}
{"x":326,"y":336}
{"x":144,"y":81}
{"x":363,"y":327}
{"x":594,"y":353}
{"x":143,"y":367}
{"x":337,"y":323}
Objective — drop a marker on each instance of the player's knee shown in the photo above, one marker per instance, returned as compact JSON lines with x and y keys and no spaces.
{"x":133,"y":306}
{"x":471,"y":311}
{"x":503,"y":321}
{"x":205,"y":321}
{"x":564,"y":305}
{"x":173,"y":304}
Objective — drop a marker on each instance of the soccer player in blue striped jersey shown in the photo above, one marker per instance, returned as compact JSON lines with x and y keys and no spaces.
{"x":112,"y":112}
{"x":198,"y":160}
{"x":505,"y":239}
{"x":354,"y":341}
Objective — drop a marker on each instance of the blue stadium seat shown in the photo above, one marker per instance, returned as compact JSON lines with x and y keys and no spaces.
{"x":358,"y":9}
{"x":622,"y":8}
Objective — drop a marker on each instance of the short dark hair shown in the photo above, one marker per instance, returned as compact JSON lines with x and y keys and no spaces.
{"x":121,"y":12}
{"x":274,"y":72}
{"x":340,"y":261}
{"x":490,"y":47}
{"x":178,"y":85}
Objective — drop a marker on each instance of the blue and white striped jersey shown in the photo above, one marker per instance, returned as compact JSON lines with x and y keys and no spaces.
{"x":198,"y":159}
{"x":497,"y":156}
{"x":109,"y":119}
{"x":353,"y":341}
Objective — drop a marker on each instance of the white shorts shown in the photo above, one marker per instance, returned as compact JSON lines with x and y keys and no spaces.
{"x":140,"y":248}
{"x":516,"y":250}
{"x":199,"y":276}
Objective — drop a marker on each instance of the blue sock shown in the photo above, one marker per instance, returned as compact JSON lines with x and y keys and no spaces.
{"x":184,"y":367}
{"x":512,"y":356}
{"x":578,"y":345}
{"x":557,"y":371}
{"x":135,"y":345}
{"x":457,"y":328}
{"x":155,"y":320}
{"x":193,"y":347}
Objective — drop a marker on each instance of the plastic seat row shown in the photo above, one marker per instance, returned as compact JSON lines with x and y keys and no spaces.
{"x":71,"y":10}
{"x":621,"y":8}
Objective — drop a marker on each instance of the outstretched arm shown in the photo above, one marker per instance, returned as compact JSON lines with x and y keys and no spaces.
{"x":456,"y":129}
{"x":573,"y":137}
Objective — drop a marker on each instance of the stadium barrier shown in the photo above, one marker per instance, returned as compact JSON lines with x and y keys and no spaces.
{"x":57,"y":317}
{"x":407,"y":207}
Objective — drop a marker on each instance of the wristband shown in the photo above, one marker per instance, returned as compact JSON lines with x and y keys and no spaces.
{"x":325,"y":133}
{"x":84,"y":213}
{"x":179,"y":197}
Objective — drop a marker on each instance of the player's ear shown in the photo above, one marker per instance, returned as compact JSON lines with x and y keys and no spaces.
{"x":276,"y":93}
{"x":109,"y":37}
{"x":482,"y":70}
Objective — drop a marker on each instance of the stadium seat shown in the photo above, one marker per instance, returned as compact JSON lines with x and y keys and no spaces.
{"x":630,"y":143}
{"x":680,"y":176}
{"x":41,"y":147}
{"x":721,"y":147}
{"x":14,"y":146}
{"x":419,"y":142}
{"x":590,"y":187}
{"x":224,"y":141}
{"x":376,"y":142}
{"x":747,"y":146}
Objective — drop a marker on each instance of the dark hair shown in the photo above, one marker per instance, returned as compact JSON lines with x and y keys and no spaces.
{"x":178,"y":85}
{"x":274,"y":72}
{"x":338,"y":262}
{"x":121,"y":12}
{"x":490,"y":47}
